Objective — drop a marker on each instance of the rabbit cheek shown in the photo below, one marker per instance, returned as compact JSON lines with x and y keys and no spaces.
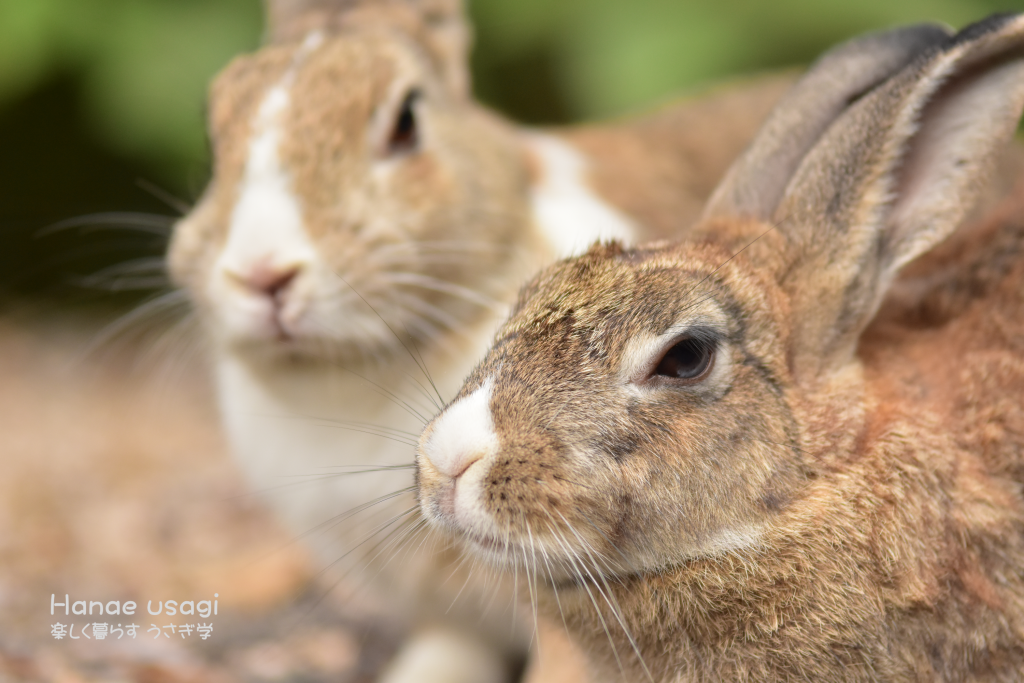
{"x":190,"y":252}
{"x":420,"y":183}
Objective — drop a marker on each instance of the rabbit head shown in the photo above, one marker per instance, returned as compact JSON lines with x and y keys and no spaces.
{"x":354,"y":182}
{"x":685,"y":430}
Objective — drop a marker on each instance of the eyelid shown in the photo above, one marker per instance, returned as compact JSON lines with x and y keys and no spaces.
{"x":413,"y":95}
{"x":702,"y":335}
{"x":401,"y":140}
{"x":642,"y":355}
{"x":386,"y":114}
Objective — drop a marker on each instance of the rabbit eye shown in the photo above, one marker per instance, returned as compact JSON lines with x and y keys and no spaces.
{"x":405,"y":135}
{"x":689,"y":360}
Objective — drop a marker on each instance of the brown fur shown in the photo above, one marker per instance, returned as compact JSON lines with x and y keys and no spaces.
{"x":369,"y":215}
{"x":823,"y":504}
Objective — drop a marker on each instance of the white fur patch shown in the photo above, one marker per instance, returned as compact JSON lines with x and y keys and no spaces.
{"x":266,"y":228}
{"x":637,"y":353}
{"x":571,"y":216}
{"x":464,"y":433}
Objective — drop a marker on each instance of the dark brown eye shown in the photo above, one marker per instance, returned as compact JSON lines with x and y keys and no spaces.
{"x":689,"y":360}
{"x":405,"y":136}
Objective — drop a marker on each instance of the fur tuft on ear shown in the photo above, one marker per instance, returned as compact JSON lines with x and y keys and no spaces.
{"x":891,"y":178}
{"x":439,"y":26}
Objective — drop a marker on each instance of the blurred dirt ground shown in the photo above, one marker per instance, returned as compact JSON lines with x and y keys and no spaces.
{"x":116,"y":485}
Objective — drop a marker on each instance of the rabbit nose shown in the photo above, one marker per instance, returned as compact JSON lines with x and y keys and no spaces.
{"x":463,"y":434}
{"x":455,"y":467}
{"x":266,"y":279}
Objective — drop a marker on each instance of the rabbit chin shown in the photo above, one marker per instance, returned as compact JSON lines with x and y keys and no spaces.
{"x":259,"y":335}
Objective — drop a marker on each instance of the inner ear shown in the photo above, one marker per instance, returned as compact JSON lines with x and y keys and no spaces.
{"x":942,"y":165}
{"x":405,"y":131}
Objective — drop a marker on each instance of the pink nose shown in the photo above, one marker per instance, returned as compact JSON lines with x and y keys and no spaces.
{"x":267,"y":280}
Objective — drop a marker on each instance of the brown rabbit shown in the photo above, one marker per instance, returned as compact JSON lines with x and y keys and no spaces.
{"x":706,"y":463}
{"x":366,"y":217}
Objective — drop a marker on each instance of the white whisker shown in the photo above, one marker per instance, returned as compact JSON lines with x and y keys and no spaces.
{"x":443,"y":286}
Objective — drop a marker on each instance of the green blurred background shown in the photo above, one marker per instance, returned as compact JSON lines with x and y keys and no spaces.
{"x":102,"y":101}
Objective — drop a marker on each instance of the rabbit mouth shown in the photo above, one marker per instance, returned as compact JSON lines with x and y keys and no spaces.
{"x":559,"y":569}
{"x":334,"y":334}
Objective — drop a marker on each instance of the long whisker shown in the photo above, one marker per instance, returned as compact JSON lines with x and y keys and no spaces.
{"x":442,"y":286}
{"x":331,"y":522}
{"x":156,"y":306}
{"x":423,"y":365}
{"x":179,"y":205}
{"x":369,"y":536}
{"x":355,"y":469}
{"x":577,"y":562}
{"x":396,"y":542}
{"x":425,"y":308}
{"x":136,"y":274}
{"x":465,"y":583}
{"x":400,"y":340}
{"x":419,"y":247}
{"x":362,"y":428}
{"x":177,"y":345}
{"x":551,"y":576}
{"x":607,"y":595}
{"x":387,"y":393}
{"x":151,"y":223}
{"x":422,"y":324}
{"x":629,"y":563}
{"x":397,"y":518}
{"x":694,"y":304}
{"x":533,"y":588}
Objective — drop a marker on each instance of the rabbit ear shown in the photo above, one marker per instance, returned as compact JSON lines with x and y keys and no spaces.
{"x":892,"y":177}
{"x":836,"y":79}
{"x":290,"y":19}
{"x":439,"y":26}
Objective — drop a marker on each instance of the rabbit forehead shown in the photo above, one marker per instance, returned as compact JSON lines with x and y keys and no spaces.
{"x":340,"y":73}
{"x":237,"y":91}
{"x":356,"y":72}
{"x":617,"y":293}
{"x":582,"y":322}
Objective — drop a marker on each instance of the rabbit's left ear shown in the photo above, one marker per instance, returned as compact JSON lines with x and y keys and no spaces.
{"x":289,"y":20}
{"x":890,"y":178}
{"x":451,"y":39}
{"x":439,"y":26}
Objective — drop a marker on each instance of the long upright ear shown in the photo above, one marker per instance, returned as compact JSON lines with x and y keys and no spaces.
{"x":440,"y":27}
{"x":892,"y":177}
{"x":291,"y":19}
{"x":837,"y":78}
